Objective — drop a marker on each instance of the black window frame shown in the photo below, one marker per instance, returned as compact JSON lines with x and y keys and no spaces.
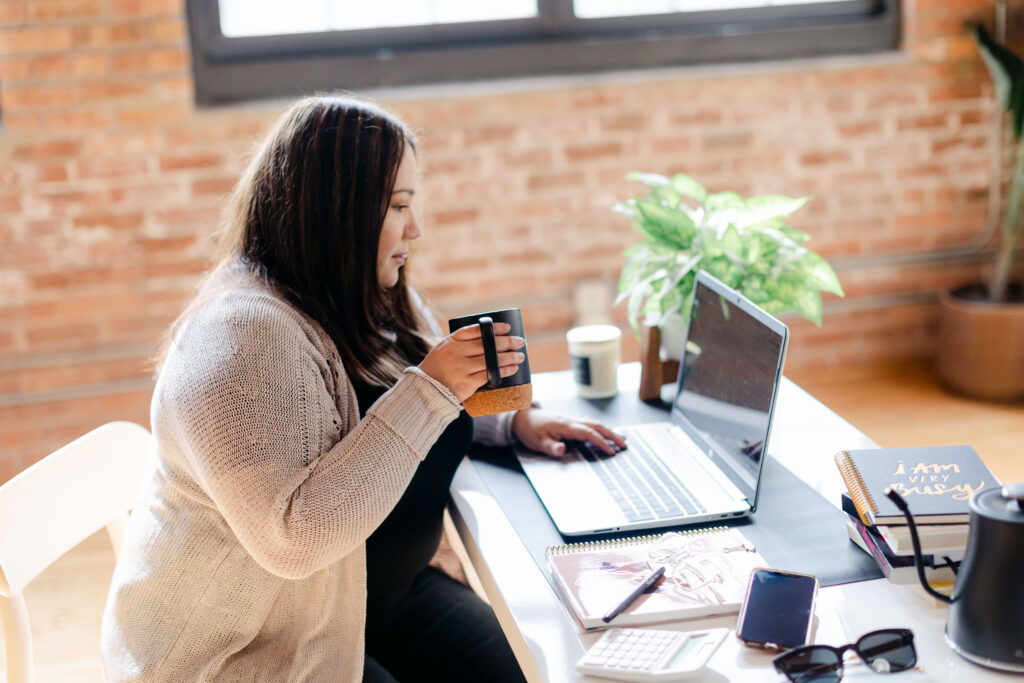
{"x":232,"y":69}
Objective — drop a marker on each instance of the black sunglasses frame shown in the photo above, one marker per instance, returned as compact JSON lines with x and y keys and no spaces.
{"x":906,"y":639}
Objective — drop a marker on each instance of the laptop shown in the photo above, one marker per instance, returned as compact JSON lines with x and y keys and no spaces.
{"x":707,"y":460}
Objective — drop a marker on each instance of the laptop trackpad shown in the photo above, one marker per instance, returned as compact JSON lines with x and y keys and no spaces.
{"x":573,"y":495}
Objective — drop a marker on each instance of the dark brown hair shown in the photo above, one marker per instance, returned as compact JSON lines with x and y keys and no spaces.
{"x":306,"y":216}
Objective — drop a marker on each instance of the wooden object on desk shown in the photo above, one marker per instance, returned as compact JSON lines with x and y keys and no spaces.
{"x":654,"y":372}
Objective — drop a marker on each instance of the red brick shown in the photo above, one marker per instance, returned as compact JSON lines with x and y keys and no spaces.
{"x":107,"y":35}
{"x":150,"y":61}
{"x":959,"y":144}
{"x":52,"y":336}
{"x":164,"y":245}
{"x":49,"y":149}
{"x":12,"y":13}
{"x":43,"y":228}
{"x":968,"y":118}
{"x":24,"y":96}
{"x":34,"y":39}
{"x":111,"y":168}
{"x":555,"y":181}
{"x":202,"y":217}
{"x":587,"y":152}
{"x":178,"y":162}
{"x":956,"y":91}
{"x":48,"y":10}
{"x":596,"y":98}
{"x":60,"y":200}
{"x":147,"y":7}
{"x":455,"y":216}
{"x":922,"y":122}
{"x":527,"y":158}
{"x":126,"y":221}
{"x":109,"y":90}
{"x":697,"y":118}
{"x":46,"y":66}
{"x":67,"y":120}
{"x":626,"y":122}
{"x":168,"y":31}
{"x":728,"y":140}
{"x":90,"y":65}
{"x":10,"y":203}
{"x":14,"y":69}
{"x":215,"y":186}
{"x":154,"y":194}
{"x":487,"y":134}
{"x":860,"y":128}
{"x":154,"y":115}
{"x":824,"y":157}
{"x":178,"y":268}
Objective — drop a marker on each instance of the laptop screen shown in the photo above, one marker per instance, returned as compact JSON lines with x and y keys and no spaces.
{"x":728,"y":380}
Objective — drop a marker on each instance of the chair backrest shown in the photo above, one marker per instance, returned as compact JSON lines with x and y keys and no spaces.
{"x":53,"y":506}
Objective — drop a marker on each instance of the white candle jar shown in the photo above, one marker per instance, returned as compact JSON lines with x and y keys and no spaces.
{"x":595,"y":351}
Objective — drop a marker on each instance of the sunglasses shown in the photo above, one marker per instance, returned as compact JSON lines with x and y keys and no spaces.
{"x":886,"y":651}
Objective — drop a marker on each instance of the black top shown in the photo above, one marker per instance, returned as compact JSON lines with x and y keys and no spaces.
{"x":404,"y":543}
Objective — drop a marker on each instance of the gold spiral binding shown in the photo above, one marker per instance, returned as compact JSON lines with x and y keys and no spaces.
{"x":626,"y":542}
{"x":859,"y":493}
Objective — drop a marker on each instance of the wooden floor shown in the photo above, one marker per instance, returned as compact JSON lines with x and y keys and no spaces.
{"x":894,"y":407}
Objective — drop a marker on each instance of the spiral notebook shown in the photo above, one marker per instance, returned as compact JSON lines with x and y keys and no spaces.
{"x":936,"y":481}
{"x":706,"y":573}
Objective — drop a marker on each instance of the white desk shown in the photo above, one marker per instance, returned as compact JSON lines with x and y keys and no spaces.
{"x":806,"y":434}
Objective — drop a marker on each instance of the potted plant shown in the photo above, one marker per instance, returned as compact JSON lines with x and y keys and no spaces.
{"x":981,"y":341}
{"x":745,"y":243}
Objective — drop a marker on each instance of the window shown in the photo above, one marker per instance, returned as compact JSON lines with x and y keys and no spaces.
{"x":245,"y":49}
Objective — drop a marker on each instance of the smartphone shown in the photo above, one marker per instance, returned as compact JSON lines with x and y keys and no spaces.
{"x":778,"y":610}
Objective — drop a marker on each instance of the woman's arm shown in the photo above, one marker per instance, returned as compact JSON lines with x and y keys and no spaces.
{"x":266,"y":421}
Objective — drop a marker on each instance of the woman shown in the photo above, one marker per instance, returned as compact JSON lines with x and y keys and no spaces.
{"x":307,"y":422}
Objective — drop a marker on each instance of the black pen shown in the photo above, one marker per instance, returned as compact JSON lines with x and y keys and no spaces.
{"x":644,"y":586}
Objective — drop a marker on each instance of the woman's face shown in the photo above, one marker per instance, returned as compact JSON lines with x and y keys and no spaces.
{"x":400,"y":224}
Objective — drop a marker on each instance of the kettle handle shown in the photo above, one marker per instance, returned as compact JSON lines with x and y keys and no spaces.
{"x":897,"y":499}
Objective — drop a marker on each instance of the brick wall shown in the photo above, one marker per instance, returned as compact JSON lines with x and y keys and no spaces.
{"x":111,"y":183}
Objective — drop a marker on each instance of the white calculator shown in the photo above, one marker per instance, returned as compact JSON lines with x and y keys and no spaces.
{"x":647,"y":654}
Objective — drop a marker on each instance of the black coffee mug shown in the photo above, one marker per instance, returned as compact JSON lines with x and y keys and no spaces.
{"x":499,"y":394}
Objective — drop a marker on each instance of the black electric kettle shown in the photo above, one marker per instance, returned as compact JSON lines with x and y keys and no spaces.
{"x":986,"y":610}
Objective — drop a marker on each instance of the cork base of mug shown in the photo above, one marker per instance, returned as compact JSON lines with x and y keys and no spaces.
{"x":499,"y":400}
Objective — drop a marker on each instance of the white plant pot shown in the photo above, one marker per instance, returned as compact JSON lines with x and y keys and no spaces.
{"x":673,"y":337}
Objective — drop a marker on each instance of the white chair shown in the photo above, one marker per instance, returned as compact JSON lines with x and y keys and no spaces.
{"x":53,"y":506}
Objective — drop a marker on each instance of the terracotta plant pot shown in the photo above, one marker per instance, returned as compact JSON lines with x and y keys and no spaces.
{"x":980,"y":353}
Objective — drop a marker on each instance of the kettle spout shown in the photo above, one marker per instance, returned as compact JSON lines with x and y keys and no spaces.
{"x":897,"y":499}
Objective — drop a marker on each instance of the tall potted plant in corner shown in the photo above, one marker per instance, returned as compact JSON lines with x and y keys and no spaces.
{"x":745,"y":243}
{"x":981,"y":340}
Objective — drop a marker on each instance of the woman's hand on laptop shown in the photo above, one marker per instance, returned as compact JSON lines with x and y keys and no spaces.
{"x":540,"y":430}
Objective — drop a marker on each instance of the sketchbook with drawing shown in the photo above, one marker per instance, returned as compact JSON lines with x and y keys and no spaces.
{"x":706,"y":573}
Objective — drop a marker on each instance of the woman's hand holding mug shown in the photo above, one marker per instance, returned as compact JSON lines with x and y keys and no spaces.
{"x":458,"y":360}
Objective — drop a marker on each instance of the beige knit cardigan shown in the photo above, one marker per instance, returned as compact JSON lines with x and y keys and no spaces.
{"x":245,"y":556}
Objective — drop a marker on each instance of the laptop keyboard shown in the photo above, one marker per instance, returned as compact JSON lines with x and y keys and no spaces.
{"x":639,"y":482}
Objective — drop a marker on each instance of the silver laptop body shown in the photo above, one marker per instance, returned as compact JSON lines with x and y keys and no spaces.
{"x":707,"y":461}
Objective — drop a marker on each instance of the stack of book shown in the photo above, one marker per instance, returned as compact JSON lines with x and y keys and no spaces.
{"x":936,"y":481}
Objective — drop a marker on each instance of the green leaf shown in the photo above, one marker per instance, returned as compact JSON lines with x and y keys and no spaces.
{"x":724,"y":200}
{"x":649,"y":179}
{"x":1007,"y":72}
{"x":808,"y":304}
{"x":1003,"y":65}
{"x":798,"y":236}
{"x":626,"y":208}
{"x":766,"y":207}
{"x":661,"y":224}
{"x":819,"y":274}
{"x":688,"y":187}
